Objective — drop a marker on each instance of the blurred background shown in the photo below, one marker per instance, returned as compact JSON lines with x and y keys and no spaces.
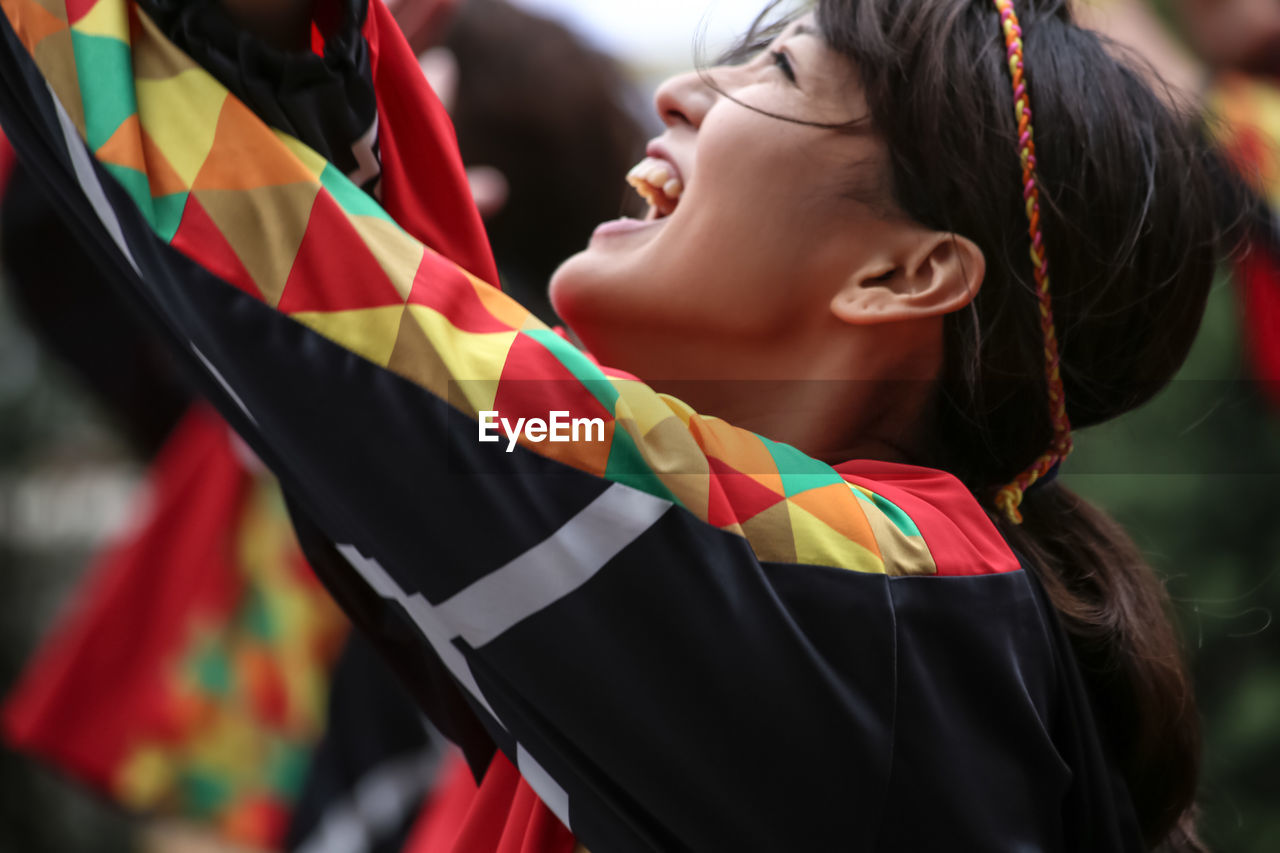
{"x":1194,"y":476}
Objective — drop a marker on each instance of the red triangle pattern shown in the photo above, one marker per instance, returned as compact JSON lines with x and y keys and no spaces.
{"x":534,"y":382}
{"x":719,"y":511}
{"x":77,"y":9}
{"x":199,"y":239}
{"x":736,"y":497}
{"x":435,"y":286}
{"x":332,"y":272}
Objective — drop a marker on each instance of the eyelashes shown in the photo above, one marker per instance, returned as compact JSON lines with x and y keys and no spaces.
{"x":783,"y":62}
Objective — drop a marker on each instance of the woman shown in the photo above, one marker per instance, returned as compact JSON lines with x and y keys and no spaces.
{"x":680,"y":634}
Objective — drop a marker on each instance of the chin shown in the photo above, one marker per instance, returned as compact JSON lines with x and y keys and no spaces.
{"x":558,"y":291}
{"x":582,"y":293}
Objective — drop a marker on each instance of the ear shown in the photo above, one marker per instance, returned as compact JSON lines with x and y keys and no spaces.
{"x":932,"y":274}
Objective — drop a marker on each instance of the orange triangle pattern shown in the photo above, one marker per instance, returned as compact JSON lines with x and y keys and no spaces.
{"x":32,"y":22}
{"x":124,"y":148}
{"x":246,"y":154}
{"x":829,"y":505}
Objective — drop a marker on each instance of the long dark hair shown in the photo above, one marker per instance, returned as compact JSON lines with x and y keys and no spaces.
{"x":1132,"y":228}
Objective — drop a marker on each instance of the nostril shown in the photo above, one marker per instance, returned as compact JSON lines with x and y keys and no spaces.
{"x":677,"y":101}
{"x":675,"y":116}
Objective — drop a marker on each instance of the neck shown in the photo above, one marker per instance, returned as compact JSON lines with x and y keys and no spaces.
{"x":829,"y":419}
{"x":832,"y":395}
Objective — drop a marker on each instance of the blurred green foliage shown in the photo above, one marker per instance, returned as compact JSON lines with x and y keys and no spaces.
{"x":1195,"y":477}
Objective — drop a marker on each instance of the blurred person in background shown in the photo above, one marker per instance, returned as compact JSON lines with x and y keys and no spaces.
{"x":1224,"y":56}
{"x":536,"y":111}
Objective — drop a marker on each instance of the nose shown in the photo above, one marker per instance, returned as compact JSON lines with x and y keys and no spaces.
{"x":684,"y":99}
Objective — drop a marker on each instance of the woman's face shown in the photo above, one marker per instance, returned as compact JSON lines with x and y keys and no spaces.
{"x":762,"y":236}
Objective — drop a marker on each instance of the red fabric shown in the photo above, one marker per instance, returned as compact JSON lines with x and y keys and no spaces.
{"x":99,"y":679}
{"x":1259,"y":276}
{"x":503,"y":815}
{"x":424,"y":185}
{"x":960,"y":536}
{"x":354,"y":263}
{"x":8,"y":159}
{"x":441,"y":820}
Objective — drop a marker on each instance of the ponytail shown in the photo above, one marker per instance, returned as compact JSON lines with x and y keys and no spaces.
{"x":1118,"y":615}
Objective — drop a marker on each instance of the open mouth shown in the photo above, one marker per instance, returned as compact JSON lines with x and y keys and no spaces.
{"x":658,"y":183}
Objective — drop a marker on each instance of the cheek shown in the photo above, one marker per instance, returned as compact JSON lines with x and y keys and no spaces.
{"x":737,"y":258}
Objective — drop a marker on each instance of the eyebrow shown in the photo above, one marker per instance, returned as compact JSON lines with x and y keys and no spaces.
{"x":804,"y":30}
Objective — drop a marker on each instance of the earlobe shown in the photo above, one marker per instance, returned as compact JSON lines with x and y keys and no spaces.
{"x":940,"y":273}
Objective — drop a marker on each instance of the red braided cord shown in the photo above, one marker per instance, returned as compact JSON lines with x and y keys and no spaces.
{"x":1009,"y":498}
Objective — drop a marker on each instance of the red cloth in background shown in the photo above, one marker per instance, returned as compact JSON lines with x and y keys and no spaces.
{"x":1259,"y":275}
{"x":94,"y":659}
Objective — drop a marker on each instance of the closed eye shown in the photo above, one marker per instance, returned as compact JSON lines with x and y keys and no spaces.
{"x":783,"y":62}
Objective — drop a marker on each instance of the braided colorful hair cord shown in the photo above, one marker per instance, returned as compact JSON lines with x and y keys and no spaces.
{"x":1009,"y":498}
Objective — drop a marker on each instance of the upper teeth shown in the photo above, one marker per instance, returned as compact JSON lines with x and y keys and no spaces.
{"x":656,"y":183}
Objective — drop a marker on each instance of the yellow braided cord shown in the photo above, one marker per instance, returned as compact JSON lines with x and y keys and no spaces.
{"x":1009,"y":498}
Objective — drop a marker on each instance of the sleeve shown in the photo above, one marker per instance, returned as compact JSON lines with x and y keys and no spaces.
{"x":679,"y":631}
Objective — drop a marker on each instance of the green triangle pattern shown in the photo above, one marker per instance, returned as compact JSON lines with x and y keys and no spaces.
{"x":101,"y":63}
{"x":799,"y":472}
{"x":353,"y":200}
{"x":627,"y":466}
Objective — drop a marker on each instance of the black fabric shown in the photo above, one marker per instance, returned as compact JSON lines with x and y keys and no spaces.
{"x":425,"y":680}
{"x":994,"y":726}
{"x":326,"y":101}
{"x":59,"y":291}
{"x":374,"y":731}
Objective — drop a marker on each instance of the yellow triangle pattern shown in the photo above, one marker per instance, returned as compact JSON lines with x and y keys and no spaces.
{"x":637,"y":401}
{"x":818,"y":544}
{"x":369,"y":332}
{"x":311,"y":161}
{"x":398,"y":257}
{"x":105,"y":19}
{"x":180,"y":114}
{"x":470,"y":357}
